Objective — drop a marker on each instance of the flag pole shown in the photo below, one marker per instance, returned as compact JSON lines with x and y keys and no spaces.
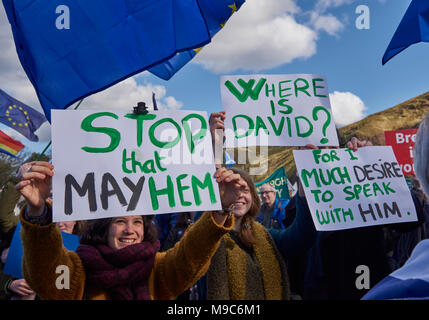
{"x":50,"y":142}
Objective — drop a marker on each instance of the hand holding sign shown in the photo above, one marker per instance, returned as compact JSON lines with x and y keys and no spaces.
{"x":230,"y":184}
{"x":35,"y":185}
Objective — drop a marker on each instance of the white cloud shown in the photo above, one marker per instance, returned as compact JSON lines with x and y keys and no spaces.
{"x":323,"y":5}
{"x":346,"y":108}
{"x":261,"y":35}
{"x":126,"y":94}
{"x":44,"y":132}
{"x":327,"y":23}
{"x":13,"y":79}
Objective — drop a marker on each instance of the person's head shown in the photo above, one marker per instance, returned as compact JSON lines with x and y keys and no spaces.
{"x":119,"y":232}
{"x":268,"y":194}
{"x":246,"y":207}
{"x":421,"y":154}
{"x":66,"y":226}
{"x":248,"y":201}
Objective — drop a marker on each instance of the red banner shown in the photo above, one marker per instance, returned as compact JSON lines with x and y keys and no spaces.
{"x":402,"y":142}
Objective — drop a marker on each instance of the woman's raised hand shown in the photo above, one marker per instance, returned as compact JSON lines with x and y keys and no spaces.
{"x":35,"y":185}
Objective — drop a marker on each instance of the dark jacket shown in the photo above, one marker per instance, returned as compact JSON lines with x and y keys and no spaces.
{"x":278,"y":214}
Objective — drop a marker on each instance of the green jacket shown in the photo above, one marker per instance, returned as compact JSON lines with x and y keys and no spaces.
{"x":9,"y":197}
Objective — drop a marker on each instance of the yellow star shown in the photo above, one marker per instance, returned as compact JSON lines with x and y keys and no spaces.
{"x":198,"y":49}
{"x":26,"y":124}
{"x":233,"y":7}
{"x":19,"y":124}
{"x":13,"y":123}
{"x":20,"y":108}
{"x":10,"y":107}
{"x":25,"y":112}
{"x":10,"y":119}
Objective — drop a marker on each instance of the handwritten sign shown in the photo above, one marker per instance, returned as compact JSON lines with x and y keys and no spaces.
{"x":116,"y":163}
{"x":277,"y":110}
{"x":402,"y":143}
{"x":347,"y":189}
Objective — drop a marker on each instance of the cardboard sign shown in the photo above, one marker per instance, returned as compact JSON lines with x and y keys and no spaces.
{"x":279,"y":181}
{"x":13,"y":265}
{"x":346,"y":189}
{"x":277,"y":110}
{"x":117,"y":163}
{"x":402,"y":143}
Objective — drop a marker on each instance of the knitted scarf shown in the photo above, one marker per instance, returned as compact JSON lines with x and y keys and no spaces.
{"x":124,"y":273}
{"x":228,"y":277}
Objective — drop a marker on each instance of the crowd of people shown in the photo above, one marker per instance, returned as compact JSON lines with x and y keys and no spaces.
{"x":257,"y":247}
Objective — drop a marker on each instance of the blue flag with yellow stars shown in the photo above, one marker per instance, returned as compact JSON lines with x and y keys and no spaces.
{"x":71,"y":49}
{"x":216,"y":14}
{"x":19,"y":116}
{"x":414,"y":28}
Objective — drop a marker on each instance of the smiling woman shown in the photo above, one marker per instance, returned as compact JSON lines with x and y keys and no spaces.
{"x":119,"y":232}
{"x":118,"y":258}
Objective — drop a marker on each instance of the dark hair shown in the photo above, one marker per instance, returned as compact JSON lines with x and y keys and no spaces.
{"x":6,"y":239}
{"x":78,"y":228}
{"x":96,"y":231}
{"x":246,"y":234}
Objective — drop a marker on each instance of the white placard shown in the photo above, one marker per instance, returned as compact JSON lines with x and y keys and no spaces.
{"x":346,"y":189}
{"x":277,"y":110}
{"x":116,"y":163}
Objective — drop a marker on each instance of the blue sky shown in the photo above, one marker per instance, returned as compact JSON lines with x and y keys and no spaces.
{"x":269,"y":37}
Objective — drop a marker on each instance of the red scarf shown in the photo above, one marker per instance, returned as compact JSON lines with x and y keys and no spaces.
{"x":124,"y":273}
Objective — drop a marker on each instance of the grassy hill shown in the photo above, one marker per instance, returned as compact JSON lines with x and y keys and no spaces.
{"x":403,"y":116}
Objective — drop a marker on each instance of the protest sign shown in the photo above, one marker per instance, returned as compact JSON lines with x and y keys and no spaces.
{"x":402,"y":143}
{"x":346,"y":189}
{"x":13,"y":265}
{"x":277,"y":110}
{"x":116,"y":163}
{"x":279,"y":181}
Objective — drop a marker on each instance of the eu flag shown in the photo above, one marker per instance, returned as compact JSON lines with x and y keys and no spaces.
{"x":71,"y":49}
{"x":18,"y":116}
{"x":414,"y":28}
{"x":216,"y":14}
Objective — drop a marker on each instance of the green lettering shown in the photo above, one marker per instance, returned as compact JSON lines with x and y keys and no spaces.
{"x":154,"y":193}
{"x":260,"y":124}
{"x":139,"y":119}
{"x":188,"y":133}
{"x":298,"y":128}
{"x":277,"y":131}
{"x":180,"y":190}
{"x":315,"y":86}
{"x":207,"y":183}
{"x":166,"y":144}
{"x":250,"y":122}
{"x":305,"y":175}
{"x":303,"y":88}
{"x":351,"y":194}
{"x":115,"y":135}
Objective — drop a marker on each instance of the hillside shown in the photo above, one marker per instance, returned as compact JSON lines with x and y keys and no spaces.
{"x":402,"y":116}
